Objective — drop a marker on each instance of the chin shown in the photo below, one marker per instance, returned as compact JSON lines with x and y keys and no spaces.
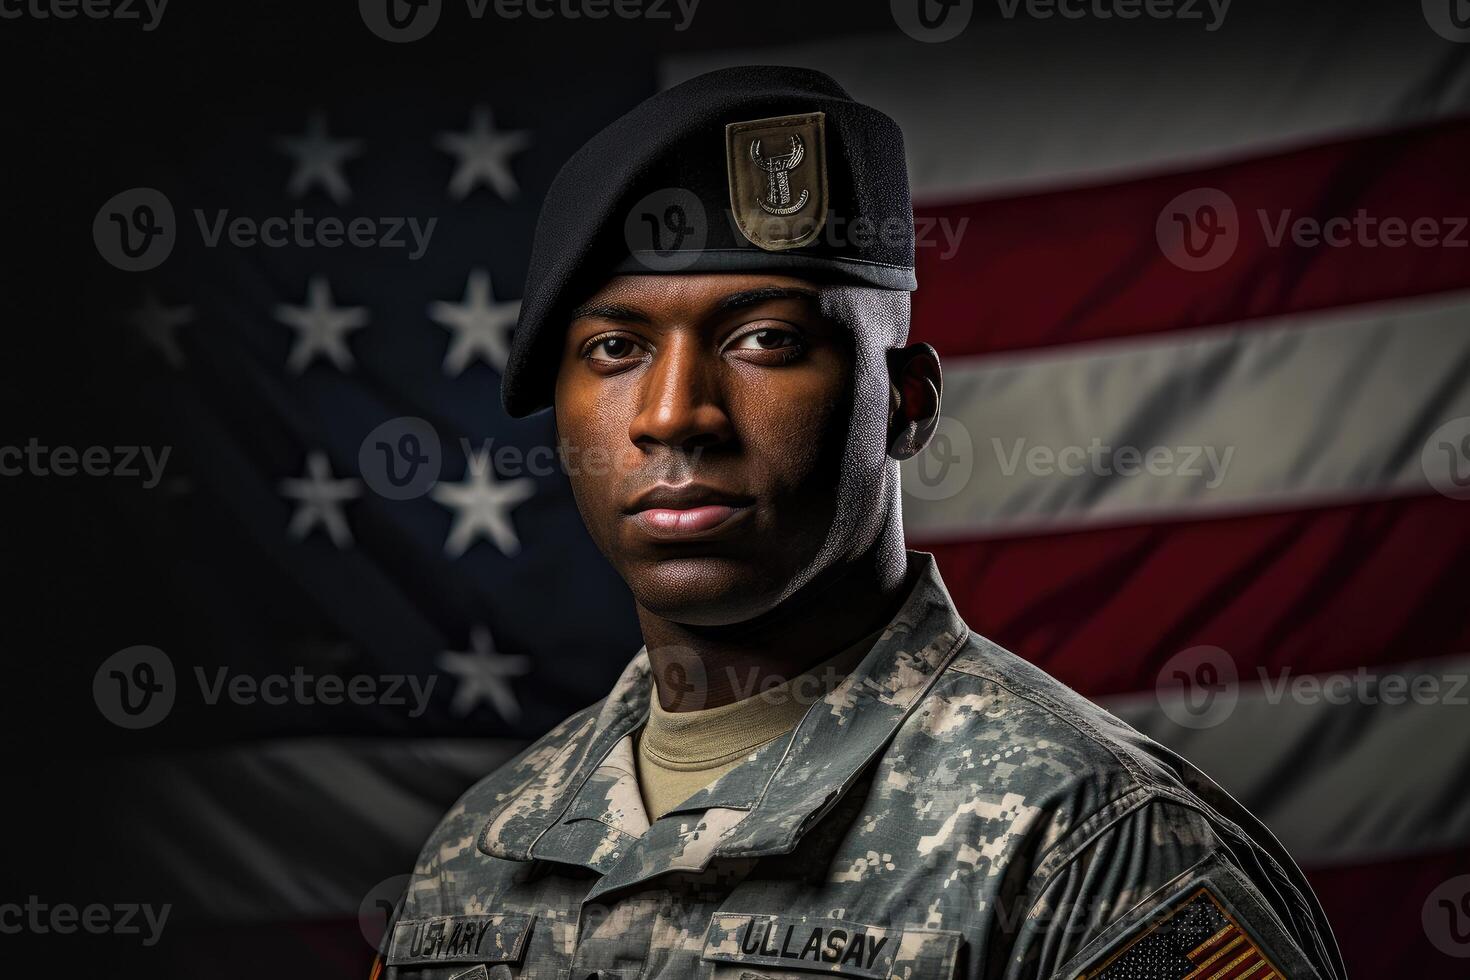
{"x":706,"y":590}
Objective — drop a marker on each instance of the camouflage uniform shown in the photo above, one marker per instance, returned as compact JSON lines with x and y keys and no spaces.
{"x":947,"y":811}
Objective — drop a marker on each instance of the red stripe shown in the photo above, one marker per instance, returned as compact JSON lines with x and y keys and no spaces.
{"x":1084,"y":264}
{"x":1205,"y":950}
{"x":1318,"y":590}
{"x":1375,"y":911}
{"x":1249,"y":958}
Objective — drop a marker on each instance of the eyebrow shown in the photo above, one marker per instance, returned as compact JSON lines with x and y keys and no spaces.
{"x":727,"y":304}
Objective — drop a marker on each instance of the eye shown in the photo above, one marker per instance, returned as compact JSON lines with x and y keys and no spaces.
{"x":776,"y":341}
{"x":611,"y":348}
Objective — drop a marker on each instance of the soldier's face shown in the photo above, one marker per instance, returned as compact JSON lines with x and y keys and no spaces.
{"x":726,"y":440}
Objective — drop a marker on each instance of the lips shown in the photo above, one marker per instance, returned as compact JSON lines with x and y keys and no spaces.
{"x":686,"y":510}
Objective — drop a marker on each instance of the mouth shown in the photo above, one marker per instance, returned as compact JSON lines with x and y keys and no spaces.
{"x":687,"y":511}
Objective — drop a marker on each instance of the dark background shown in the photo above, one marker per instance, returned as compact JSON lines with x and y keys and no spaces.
{"x":203,"y":569}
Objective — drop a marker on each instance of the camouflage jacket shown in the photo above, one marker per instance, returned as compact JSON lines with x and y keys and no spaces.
{"x":947,"y":810}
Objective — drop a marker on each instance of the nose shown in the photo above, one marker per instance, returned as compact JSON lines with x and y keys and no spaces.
{"x":682,"y":405}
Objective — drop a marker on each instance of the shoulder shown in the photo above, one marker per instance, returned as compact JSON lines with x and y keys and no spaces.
{"x":1000,"y":727}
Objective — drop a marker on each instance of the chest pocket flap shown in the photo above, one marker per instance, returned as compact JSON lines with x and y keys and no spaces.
{"x":445,"y":939}
{"x":831,"y":946}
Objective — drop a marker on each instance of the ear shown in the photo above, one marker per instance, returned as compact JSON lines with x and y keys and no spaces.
{"x":914,"y":386}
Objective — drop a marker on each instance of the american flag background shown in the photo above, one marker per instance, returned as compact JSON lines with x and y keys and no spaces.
{"x":285,"y":580}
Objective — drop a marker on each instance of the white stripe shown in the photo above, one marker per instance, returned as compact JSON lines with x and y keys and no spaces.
{"x":1338,"y":783}
{"x":1013,"y":104}
{"x":1305,"y":410}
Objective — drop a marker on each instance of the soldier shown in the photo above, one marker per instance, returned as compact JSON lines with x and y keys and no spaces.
{"x":813,"y":766}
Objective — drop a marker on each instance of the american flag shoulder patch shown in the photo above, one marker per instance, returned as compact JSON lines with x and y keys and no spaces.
{"x":1195,"y":938}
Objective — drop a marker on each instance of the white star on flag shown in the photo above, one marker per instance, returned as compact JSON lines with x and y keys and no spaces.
{"x":481,"y":674}
{"x":321,"y":327}
{"x":319,"y":498}
{"x":483,"y":155}
{"x":482,"y":507}
{"x":319,"y":159}
{"x":160,"y":325}
{"x":481,"y":326}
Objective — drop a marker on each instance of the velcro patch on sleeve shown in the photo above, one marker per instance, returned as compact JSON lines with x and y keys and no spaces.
{"x":1195,"y":938}
{"x":459,"y":939}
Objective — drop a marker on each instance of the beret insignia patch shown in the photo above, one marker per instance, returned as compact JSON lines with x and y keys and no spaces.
{"x":1195,"y":939}
{"x":778,"y":179}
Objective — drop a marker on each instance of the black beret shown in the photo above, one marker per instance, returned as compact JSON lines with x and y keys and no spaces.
{"x":758,"y":168}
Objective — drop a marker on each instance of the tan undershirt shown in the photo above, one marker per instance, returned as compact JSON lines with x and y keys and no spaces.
{"x":682,"y":752}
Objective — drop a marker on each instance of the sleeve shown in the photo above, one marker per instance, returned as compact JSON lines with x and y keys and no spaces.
{"x":1159,"y":895}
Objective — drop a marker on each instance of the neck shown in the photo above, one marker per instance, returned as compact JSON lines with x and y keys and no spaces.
{"x":709,"y":666}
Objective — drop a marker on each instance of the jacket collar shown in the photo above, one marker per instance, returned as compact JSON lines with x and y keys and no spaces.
{"x":577,"y":809}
